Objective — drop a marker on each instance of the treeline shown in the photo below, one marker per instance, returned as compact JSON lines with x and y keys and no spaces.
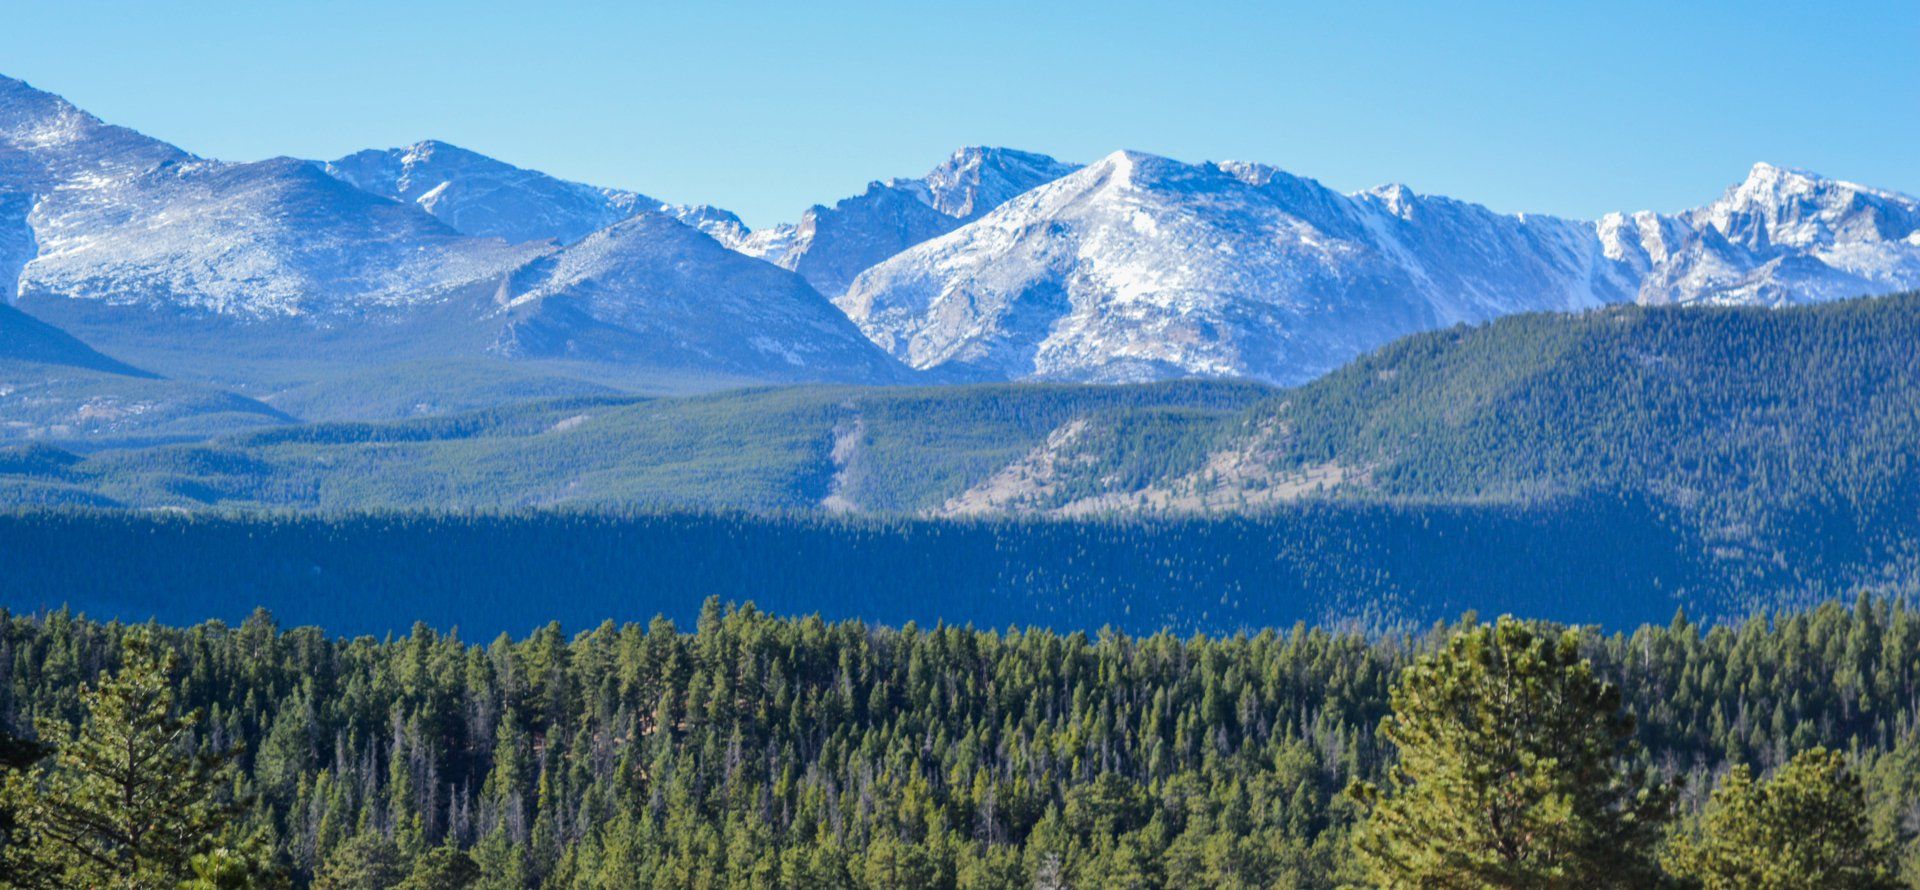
{"x":1610,"y":561}
{"x":759,"y":751}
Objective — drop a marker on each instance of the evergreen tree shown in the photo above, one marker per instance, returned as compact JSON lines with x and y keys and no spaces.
{"x":1513,"y":772}
{"x":805,"y":753}
{"x":16,"y":868}
{"x":1804,"y":828}
{"x":366,"y":861}
{"x":248,"y":866}
{"x":442,"y":868}
{"x":126,"y":802}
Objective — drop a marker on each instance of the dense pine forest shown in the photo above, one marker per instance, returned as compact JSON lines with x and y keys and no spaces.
{"x":754,"y":751}
{"x":1369,"y":565}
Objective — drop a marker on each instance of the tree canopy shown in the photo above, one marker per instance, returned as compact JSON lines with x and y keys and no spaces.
{"x":754,"y":750}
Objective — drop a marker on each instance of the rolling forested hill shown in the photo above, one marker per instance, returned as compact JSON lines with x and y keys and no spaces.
{"x":1608,"y":466}
{"x":844,"y":448}
{"x":1732,"y":413}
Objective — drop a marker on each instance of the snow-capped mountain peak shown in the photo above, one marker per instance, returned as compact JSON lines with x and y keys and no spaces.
{"x":1140,"y":266}
{"x":997,"y":263}
{"x":975,"y":180}
{"x":403,"y":253}
{"x":479,"y":195}
{"x":1781,"y":235}
{"x":1786,"y":207}
{"x":44,"y":139}
{"x":650,"y":290}
{"x":483,"y":196}
{"x":831,"y":245}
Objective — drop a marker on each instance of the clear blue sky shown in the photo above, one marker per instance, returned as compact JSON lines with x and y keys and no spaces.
{"x":1554,"y":107}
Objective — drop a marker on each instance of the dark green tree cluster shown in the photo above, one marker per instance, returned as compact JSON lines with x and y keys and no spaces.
{"x":1514,"y":770}
{"x":125,"y":801}
{"x":760,"y":751}
{"x":1517,"y":768}
{"x":1808,"y":826}
{"x":1377,"y":565}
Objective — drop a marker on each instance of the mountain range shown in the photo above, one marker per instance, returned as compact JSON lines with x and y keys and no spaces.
{"x":1139,"y":267}
{"x":283,"y":278}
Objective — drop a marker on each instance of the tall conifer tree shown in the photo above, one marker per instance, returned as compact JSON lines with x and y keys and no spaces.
{"x":1513,"y":772}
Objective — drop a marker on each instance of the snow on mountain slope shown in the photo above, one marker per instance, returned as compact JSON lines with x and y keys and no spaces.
{"x":650,"y":290}
{"x":145,"y":245}
{"x":832,"y":245}
{"x":1783,"y":236}
{"x":46,"y":141}
{"x":479,"y":195}
{"x":272,"y":239}
{"x":996,"y":264}
{"x":720,"y":225}
{"x":17,"y":245}
{"x":1140,"y":267}
{"x":973,"y":181}
{"x":121,"y":219}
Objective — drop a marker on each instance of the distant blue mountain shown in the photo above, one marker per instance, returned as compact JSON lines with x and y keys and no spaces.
{"x":24,"y":338}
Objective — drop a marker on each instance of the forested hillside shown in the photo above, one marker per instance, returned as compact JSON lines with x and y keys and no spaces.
{"x":870,"y":450}
{"x":1375,"y":565}
{"x":1736,"y":411}
{"x":758,"y":751}
{"x":1745,"y":420}
{"x":1602,"y":467}
{"x":1730,"y":411}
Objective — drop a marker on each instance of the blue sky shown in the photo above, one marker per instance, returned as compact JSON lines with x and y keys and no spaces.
{"x":1563,"y":108}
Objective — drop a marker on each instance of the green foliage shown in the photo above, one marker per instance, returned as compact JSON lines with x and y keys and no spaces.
{"x":1805,"y":827}
{"x":1719,"y":459}
{"x":125,"y":804}
{"x":367,"y":861}
{"x":100,"y":407}
{"x":18,"y":867}
{"x":1513,"y":771}
{"x":798,"y":752}
{"x":1748,"y":423}
{"x":247,"y":866}
{"x":442,"y":868}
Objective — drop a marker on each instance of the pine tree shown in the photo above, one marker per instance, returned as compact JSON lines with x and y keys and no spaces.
{"x":246,"y":866}
{"x":1804,"y":828}
{"x":125,"y":803}
{"x":442,"y":868}
{"x":366,"y":861}
{"x":1512,"y":772}
{"x":17,"y":868}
